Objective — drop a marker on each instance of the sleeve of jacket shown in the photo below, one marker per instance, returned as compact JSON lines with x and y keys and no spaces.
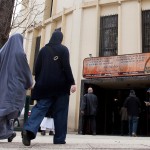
{"x":67,"y":68}
{"x":83,"y":103}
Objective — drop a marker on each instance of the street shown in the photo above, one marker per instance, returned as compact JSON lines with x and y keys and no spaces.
{"x":80,"y":142}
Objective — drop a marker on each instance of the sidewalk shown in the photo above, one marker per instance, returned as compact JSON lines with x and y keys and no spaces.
{"x":80,"y":142}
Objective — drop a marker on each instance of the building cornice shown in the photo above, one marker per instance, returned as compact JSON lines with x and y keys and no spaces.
{"x":36,"y":27}
{"x":48,"y":21}
{"x":69,"y":10}
{"x":88,"y":4}
{"x":108,"y":2}
{"x":84,"y":5}
{"x":58,"y":16}
{"x":103,"y":2}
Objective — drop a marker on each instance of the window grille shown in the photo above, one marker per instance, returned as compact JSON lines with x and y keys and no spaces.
{"x":146,"y":31}
{"x":109,"y":35}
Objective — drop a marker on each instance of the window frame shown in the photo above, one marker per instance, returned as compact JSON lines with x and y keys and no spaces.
{"x":108,"y":26}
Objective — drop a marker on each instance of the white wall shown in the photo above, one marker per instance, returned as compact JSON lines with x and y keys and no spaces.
{"x":88,"y":40}
{"x":47,"y":33}
{"x":68,"y":32}
{"x":145,"y":4}
{"x":109,"y":10}
{"x":129,"y":31}
{"x":28,"y":44}
{"x":59,"y":6}
{"x":75,"y":54}
{"x":58,"y":24}
{"x":65,"y":4}
{"x":68,"y":3}
{"x":88,"y":0}
{"x":68,"y":38}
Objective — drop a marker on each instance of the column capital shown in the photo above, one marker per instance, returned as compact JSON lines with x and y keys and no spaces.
{"x":119,"y":2}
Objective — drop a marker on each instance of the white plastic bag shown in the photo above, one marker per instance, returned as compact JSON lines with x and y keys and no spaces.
{"x":47,"y":123}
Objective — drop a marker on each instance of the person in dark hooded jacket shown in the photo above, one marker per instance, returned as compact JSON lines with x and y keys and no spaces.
{"x":132,"y":103}
{"x":54,"y":82}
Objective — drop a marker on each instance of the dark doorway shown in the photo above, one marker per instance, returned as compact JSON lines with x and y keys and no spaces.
{"x":108,"y":119}
{"x":108,"y":115}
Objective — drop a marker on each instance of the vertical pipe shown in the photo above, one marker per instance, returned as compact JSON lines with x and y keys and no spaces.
{"x":119,"y":29}
{"x":139,"y":28}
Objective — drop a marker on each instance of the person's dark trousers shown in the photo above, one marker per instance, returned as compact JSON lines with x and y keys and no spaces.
{"x":93,"y":124}
{"x":84,"y":124}
{"x":89,"y":124}
{"x":37,"y":114}
{"x":60,"y":117}
{"x":133,"y":123}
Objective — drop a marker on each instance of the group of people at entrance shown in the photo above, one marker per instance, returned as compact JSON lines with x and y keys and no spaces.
{"x":129,"y":113}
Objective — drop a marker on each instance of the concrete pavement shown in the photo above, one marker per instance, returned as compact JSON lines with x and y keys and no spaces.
{"x":80,"y":142}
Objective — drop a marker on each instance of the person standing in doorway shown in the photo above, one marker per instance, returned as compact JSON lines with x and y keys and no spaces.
{"x":15,"y":79}
{"x":88,"y":110}
{"x":147,"y":103}
{"x":54,"y":82}
{"x":132,"y":103}
{"x":124,"y":121}
{"x":116,"y":116}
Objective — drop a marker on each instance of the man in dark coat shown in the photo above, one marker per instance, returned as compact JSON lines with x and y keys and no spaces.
{"x":132,"y":103}
{"x":88,"y":110}
{"x":54,"y":82}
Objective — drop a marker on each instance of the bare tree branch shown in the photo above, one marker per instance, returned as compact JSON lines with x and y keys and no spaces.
{"x":10,"y":19}
{"x":28,"y":15}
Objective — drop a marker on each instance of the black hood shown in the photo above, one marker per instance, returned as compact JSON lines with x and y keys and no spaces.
{"x":132,"y":93}
{"x":56,"y":38}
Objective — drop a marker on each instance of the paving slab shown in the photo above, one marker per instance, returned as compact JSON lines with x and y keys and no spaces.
{"x":80,"y":142}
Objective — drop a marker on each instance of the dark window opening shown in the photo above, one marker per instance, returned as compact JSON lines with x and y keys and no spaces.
{"x":51,"y":8}
{"x":37,"y":48}
{"x":109,"y":35}
{"x":146,"y":31}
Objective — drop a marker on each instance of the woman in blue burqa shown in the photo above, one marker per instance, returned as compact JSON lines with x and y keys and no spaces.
{"x":15,"y":79}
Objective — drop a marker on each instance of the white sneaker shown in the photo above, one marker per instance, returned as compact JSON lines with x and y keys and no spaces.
{"x":134,"y":135}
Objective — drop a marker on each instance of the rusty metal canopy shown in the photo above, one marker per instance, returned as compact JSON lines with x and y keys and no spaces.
{"x":121,"y":82}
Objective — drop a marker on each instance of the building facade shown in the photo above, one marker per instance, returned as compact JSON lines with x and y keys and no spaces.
{"x":91,"y":28}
